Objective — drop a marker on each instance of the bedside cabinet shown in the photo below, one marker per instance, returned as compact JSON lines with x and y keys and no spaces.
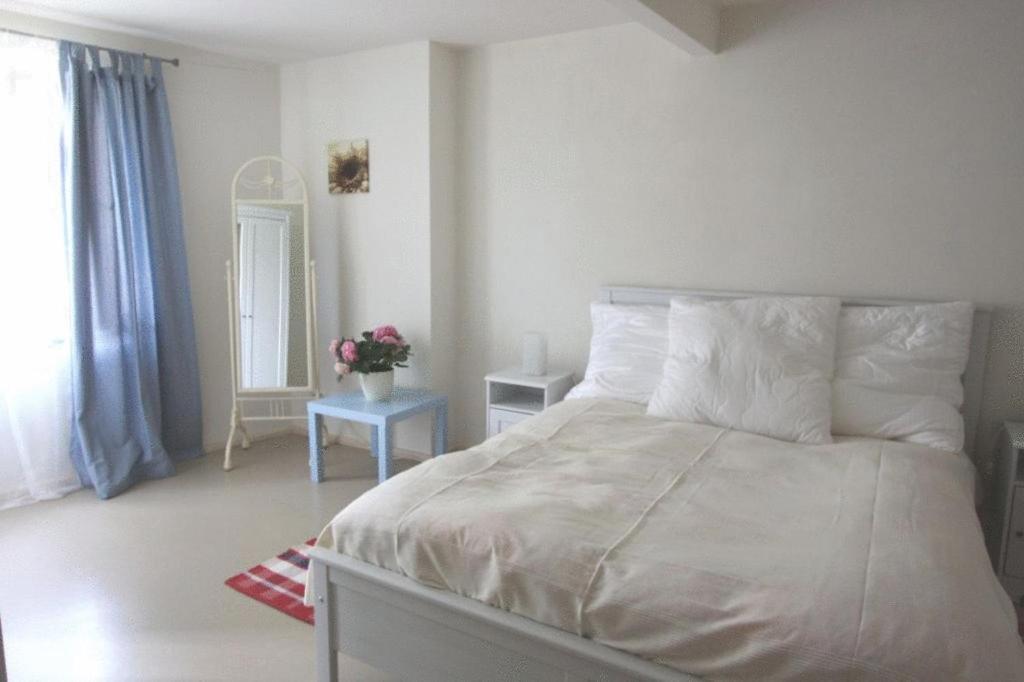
{"x":513,"y":396}
{"x":1007,"y":544}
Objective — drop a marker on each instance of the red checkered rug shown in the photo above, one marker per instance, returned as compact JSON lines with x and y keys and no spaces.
{"x":279,"y":582}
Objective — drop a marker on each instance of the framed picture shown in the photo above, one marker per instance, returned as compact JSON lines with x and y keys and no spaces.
{"x":348,"y":166}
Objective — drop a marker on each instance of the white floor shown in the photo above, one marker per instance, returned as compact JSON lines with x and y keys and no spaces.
{"x":133,"y":588}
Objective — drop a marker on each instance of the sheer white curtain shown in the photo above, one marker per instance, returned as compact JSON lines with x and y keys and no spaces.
{"x":35,"y":391}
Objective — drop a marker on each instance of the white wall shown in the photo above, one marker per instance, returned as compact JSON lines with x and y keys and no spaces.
{"x":376,"y":251}
{"x":444,"y":143}
{"x":222,"y":116}
{"x":863,"y":147}
{"x":223,"y":111}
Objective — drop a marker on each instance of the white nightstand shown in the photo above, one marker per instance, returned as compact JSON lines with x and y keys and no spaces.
{"x":513,"y":396}
{"x":1007,"y":541}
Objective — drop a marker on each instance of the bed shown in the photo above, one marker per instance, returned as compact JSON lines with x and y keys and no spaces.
{"x":689,"y":557}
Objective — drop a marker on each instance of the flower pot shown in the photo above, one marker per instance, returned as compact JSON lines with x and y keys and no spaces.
{"x":377,"y":385}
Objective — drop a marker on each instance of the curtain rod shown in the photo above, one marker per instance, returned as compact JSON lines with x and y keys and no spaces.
{"x":172,"y":62}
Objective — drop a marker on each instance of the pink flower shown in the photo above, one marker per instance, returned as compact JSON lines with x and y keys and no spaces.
{"x":390,"y":340}
{"x":341,"y":368}
{"x":333,"y":348}
{"x":385,"y":330}
{"x":349,"y":352}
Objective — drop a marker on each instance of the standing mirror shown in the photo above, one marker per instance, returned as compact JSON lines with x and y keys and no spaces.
{"x":271,"y":297}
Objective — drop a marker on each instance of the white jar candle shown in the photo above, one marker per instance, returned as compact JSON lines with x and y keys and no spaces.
{"x":535,"y":354}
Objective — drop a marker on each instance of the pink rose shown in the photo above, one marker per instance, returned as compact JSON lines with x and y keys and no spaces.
{"x":385,"y":330}
{"x":349,"y":352}
{"x":341,"y":368}
{"x":333,"y":348}
{"x":389,"y":340}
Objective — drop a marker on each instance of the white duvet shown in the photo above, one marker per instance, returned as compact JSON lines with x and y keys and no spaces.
{"x":718,"y":553}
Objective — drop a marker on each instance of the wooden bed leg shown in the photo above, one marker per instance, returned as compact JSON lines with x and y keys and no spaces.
{"x":326,"y":655}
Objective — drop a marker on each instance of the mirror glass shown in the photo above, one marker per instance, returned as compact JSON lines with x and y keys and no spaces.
{"x":271,"y":295}
{"x":271,"y":275}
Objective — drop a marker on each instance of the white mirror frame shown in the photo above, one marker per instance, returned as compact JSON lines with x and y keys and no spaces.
{"x":278,"y":403}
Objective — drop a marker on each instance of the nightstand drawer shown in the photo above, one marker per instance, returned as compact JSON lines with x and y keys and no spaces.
{"x":1015,"y":538}
{"x":498,"y":420}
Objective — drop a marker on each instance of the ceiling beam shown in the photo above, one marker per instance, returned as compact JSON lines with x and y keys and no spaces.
{"x":688,"y":24}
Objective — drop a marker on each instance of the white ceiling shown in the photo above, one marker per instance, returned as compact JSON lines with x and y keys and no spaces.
{"x":290,"y":30}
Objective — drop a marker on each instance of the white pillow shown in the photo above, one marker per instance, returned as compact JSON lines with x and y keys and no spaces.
{"x":898,"y":373}
{"x":627,"y":351}
{"x":762,"y":365}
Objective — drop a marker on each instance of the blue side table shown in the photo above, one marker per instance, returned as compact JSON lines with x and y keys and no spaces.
{"x":380,"y":415}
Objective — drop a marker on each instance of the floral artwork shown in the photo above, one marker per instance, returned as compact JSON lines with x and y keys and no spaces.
{"x":348,"y":166}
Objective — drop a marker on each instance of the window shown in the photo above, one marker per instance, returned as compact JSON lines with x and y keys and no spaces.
{"x":34,"y":295}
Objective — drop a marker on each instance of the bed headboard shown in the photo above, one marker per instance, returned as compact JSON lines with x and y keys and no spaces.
{"x":974,"y":377}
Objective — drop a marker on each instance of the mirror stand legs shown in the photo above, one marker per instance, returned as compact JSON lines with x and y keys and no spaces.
{"x":236,"y":424}
{"x":231,"y":439}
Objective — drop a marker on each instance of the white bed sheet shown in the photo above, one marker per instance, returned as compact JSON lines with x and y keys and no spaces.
{"x":718,"y":553}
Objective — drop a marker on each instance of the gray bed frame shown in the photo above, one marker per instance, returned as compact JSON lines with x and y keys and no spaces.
{"x":415,"y":632}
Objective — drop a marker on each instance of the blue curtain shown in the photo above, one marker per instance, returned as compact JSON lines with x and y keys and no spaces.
{"x":135,"y":377}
